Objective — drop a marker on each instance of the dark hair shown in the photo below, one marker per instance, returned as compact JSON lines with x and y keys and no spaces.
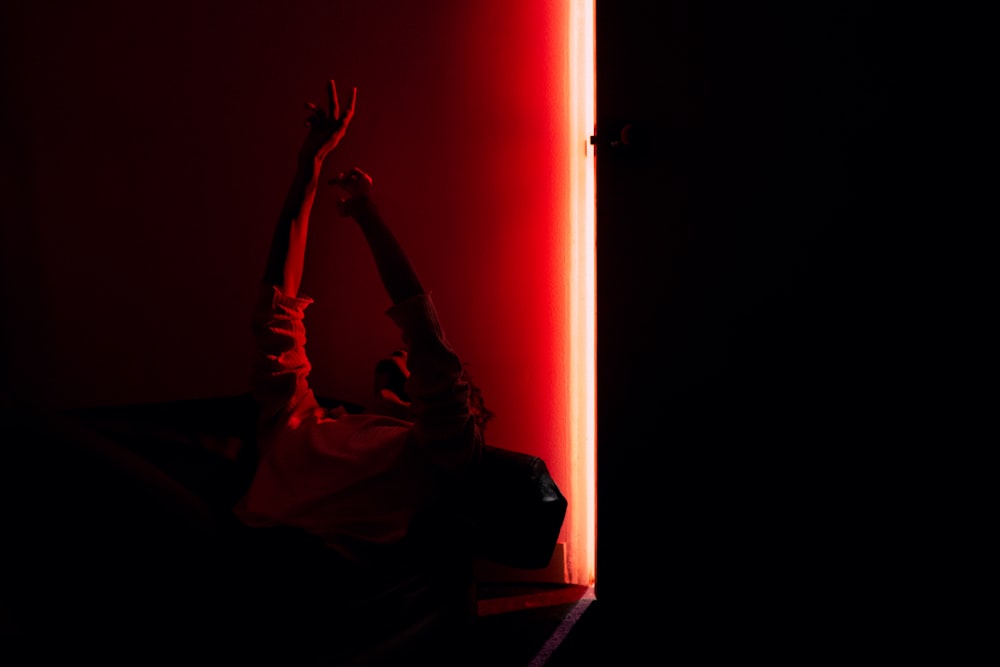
{"x":477,"y":405}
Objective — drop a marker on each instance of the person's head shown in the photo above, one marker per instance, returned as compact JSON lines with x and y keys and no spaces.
{"x":389,"y":395}
{"x":390,"y":391}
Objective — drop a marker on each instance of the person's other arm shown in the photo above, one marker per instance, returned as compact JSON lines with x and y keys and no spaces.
{"x":394,"y":268}
{"x":438,"y":391}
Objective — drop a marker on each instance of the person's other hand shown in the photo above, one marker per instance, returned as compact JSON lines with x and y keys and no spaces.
{"x":326,"y":127}
{"x":357,"y":187}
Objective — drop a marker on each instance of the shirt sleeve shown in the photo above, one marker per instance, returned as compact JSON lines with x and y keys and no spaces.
{"x":443,"y":424}
{"x":280,"y":368}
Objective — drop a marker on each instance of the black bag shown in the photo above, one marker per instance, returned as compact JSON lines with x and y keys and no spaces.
{"x":519,"y":509}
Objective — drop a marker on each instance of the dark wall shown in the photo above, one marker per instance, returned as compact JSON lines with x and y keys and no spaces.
{"x":739,"y":349}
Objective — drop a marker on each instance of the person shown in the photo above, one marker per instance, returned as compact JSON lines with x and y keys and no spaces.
{"x":383,"y":494}
{"x":363,"y":484}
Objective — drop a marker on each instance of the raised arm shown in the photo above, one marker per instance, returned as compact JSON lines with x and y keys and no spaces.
{"x":394,"y":268}
{"x":280,"y":366}
{"x":288,"y":246}
{"x":437,"y":384}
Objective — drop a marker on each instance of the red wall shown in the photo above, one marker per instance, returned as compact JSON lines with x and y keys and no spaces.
{"x":149,"y":151}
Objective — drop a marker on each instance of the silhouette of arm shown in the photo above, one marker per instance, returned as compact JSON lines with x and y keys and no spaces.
{"x":288,"y":245}
{"x":398,"y":276}
{"x":437,"y":387}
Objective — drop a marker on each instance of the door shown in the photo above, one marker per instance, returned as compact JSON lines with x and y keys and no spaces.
{"x":736,"y":173}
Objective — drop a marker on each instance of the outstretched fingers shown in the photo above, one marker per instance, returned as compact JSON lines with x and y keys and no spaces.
{"x":349,"y":114}
{"x":334,"y":103}
{"x":331,"y":91}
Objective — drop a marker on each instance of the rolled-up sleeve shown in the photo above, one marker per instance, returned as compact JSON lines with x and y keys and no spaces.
{"x":443,"y":424}
{"x":280,"y":367}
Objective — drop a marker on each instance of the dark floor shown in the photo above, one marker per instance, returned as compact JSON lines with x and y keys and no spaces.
{"x":527,"y":625}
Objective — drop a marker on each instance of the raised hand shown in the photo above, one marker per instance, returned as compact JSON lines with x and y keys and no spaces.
{"x":356,"y":184}
{"x":326,"y":127}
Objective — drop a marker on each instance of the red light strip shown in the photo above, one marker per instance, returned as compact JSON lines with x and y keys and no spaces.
{"x":582,"y":310}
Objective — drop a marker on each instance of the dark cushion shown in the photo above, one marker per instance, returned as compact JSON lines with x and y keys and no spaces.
{"x":518,"y":509}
